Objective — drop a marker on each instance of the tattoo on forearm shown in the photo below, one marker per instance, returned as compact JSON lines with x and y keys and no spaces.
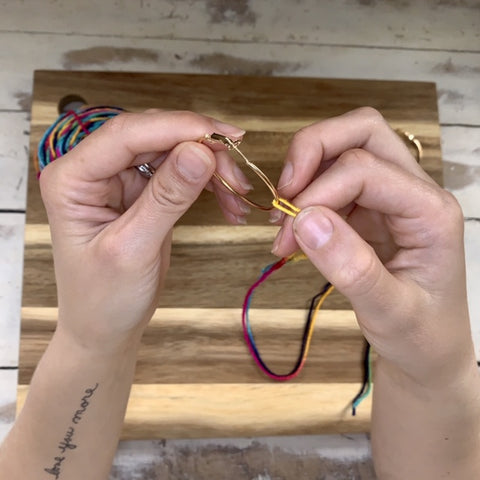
{"x":66,"y":444}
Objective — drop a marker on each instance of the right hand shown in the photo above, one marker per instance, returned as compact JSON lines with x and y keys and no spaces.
{"x":387,"y":237}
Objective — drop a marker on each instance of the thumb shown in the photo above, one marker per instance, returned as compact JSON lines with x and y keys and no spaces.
{"x":345,"y":259}
{"x":176,"y":184}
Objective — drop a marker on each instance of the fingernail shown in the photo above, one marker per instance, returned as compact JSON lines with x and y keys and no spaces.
{"x":313,"y":228}
{"x":244,"y":208}
{"x":241,"y":179}
{"x":192,"y":162}
{"x":277,"y":241}
{"x":286,"y":177}
{"x":241,"y":220}
{"x":275,"y":216}
{"x":228,"y":129}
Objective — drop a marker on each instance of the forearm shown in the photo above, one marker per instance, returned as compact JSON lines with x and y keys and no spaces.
{"x":426,"y":433}
{"x":72,"y":418}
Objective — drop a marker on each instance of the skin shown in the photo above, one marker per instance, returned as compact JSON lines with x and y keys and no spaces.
{"x":372,"y":222}
{"x":391,"y":240}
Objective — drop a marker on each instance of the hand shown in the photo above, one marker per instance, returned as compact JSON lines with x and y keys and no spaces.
{"x":111,"y":228}
{"x":389,"y":238}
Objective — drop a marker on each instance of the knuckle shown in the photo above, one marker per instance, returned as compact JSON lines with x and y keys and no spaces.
{"x":188,"y":117}
{"x":360,"y":274}
{"x":153,"y":110}
{"x":118,"y":124}
{"x":370,"y":114}
{"x":356,"y":156}
{"x":305,"y":133}
{"x":167,"y":195}
{"x":452,"y":214}
{"x":52,"y":183}
{"x":447,"y":221}
{"x":112,"y":248}
{"x":45,"y":180}
{"x":115,"y":252}
{"x":452,"y":206}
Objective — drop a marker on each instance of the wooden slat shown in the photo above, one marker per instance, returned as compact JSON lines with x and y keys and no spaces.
{"x":39,"y":235}
{"x":204,"y":346}
{"x":206,"y":275}
{"x":265,"y":148}
{"x":193,"y":369}
{"x":212,"y":410}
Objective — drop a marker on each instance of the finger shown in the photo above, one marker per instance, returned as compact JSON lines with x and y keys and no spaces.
{"x":360,"y":178}
{"x":233,"y":208}
{"x":347,"y":261}
{"x":133,"y":181}
{"x":117,"y":144}
{"x":210,"y":186}
{"x":231,"y":172}
{"x":170,"y":192}
{"x":152,"y":158}
{"x":325,"y":141}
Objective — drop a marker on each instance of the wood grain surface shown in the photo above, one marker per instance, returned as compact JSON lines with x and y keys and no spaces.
{"x":193,"y":358}
{"x":218,"y":410}
{"x":193,"y":345}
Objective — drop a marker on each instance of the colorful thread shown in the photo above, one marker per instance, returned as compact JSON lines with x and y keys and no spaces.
{"x":70,"y":129}
{"x":367,"y":379}
{"x":315,"y":306}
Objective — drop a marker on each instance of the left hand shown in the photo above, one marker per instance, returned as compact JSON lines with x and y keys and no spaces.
{"x":111,"y":228}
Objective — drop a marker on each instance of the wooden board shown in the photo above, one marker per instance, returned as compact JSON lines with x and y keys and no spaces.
{"x":199,"y":352}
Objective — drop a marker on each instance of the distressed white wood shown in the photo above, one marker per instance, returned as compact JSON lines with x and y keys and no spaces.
{"x":8,"y":400}
{"x":11,"y":274}
{"x":154,"y":456}
{"x":429,"y":24}
{"x":457,"y":74}
{"x":461,"y":155}
{"x":14,"y":138}
{"x":331,"y":446}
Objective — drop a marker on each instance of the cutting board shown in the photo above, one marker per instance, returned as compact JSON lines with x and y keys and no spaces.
{"x":194,"y":376}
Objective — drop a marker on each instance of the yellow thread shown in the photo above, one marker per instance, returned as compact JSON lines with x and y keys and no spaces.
{"x":285,"y":206}
{"x":296,"y":256}
{"x":314,"y":317}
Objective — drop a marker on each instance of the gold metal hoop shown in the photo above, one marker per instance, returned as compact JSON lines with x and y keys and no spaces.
{"x":277,"y":202}
{"x":413,"y":140}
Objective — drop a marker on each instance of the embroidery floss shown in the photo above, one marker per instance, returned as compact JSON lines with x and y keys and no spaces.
{"x":70,"y":129}
{"x":315,"y":306}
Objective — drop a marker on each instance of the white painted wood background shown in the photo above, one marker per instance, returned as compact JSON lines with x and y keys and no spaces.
{"x":432,"y":40}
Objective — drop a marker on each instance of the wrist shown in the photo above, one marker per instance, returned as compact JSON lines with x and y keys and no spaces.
{"x":425,"y":420}
{"x":445,"y":382}
{"x":89,"y":343}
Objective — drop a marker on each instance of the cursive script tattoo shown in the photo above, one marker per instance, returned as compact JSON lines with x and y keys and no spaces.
{"x":67,"y":443}
{"x":84,"y":404}
{"x":55,"y":470}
